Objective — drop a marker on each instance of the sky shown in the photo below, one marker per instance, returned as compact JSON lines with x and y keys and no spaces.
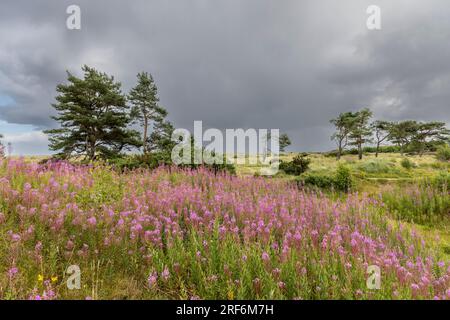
{"x":290,"y":65}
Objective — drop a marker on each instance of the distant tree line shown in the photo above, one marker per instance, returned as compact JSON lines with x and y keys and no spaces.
{"x":98,"y":121}
{"x":356,"y":129}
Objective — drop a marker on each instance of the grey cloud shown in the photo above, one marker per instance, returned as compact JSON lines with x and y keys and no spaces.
{"x":256,"y":63}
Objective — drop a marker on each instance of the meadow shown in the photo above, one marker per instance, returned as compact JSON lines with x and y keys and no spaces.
{"x":174,"y":233}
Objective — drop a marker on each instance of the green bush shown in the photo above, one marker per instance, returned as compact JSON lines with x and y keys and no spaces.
{"x":343,"y":180}
{"x":440,"y":182}
{"x":318,"y":180}
{"x":368,"y":149}
{"x":443,"y":153}
{"x":407,"y":164}
{"x":153,"y":160}
{"x":149,"y":161}
{"x":298,"y":165}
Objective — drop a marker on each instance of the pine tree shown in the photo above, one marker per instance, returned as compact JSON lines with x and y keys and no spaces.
{"x":94,"y":117}
{"x":360,"y":131}
{"x":382,"y":133}
{"x":160,"y":139}
{"x":145,"y":105}
{"x":284,"y":142}
{"x":402,"y":133}
{"x":343,"y":124}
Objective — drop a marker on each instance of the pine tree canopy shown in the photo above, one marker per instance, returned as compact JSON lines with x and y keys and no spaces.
{"x":94,"y":117}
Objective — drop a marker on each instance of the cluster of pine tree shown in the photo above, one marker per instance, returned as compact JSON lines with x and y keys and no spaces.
{"x":96,"y":118}
{"x":355,"y":129}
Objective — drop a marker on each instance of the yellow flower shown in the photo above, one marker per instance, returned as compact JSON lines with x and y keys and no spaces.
{"x":54,"y":279}
{"x":40,"y":278}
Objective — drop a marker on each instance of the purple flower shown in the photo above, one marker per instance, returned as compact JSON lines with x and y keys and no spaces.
{"x":13,"y":272}
{"x":165,"y":274}
{"x":152,"y":279}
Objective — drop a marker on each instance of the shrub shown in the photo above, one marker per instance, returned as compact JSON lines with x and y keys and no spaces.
{"x":343,"y":180}
{"x":155,"y":159}
{"x":298,"y":165}
{"x":443,"y":153}
{"x":148,"y":161}
{"x":376,"y":166}
{"x":368,"y":149}
{"x":318,"y":180}
{"x":440,"y":182}
{"x":407,"y":164}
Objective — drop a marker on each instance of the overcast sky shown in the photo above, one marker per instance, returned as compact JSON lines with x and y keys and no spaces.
{"x":288,"y":64}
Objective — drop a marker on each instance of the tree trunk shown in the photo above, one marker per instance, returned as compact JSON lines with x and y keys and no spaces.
{"x":360,"y":153}
{"x":422,"y":150}
{"x":144,"y":142}
{"x":338,"y":156}
{"x":92,"y":150}
{"x":378,"y":150}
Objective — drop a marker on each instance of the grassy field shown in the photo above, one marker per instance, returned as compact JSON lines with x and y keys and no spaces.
{"x":179,"y":234}
{"x":384,"y":175}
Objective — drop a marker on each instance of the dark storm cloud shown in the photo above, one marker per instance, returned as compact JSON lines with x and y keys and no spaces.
{"x":291,"y":65}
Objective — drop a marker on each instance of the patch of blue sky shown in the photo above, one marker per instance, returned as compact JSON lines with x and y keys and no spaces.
{"x":12,"y":128}
{"x":6,"y":100}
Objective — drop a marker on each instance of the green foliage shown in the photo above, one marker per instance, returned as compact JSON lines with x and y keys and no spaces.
{"x":377,"y":166}
{"x":93,"y":116}
{"x":320,"y":181}
{"x":360,"y":131}
{"x":147,"y":160}
{"x":152,"y":160}
{"x":440,"y":181}
{"x":284,"y":142}
{"x":366,"y":149}
{"x":343,"y":123}
{"x":343,"y":180}
{"x":443,"y":153}
{"x":146,"y":109}
{"x":427,"y":133}
{"x":407,"y":164}
{"x":160,"y":139}
{"x":426,"y":202}
{"x":298,"y":165}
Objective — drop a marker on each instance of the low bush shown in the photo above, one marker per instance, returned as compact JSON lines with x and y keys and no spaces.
{"x":318,"y":180}
{"x":342,"y":180}
{"x":298,"y":165}
{"x":443,"y":153}
{"x":156,"y":159}
{"x":407,"y":164}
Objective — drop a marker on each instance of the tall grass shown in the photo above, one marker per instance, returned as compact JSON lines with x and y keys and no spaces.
{"x":423,"y":202}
